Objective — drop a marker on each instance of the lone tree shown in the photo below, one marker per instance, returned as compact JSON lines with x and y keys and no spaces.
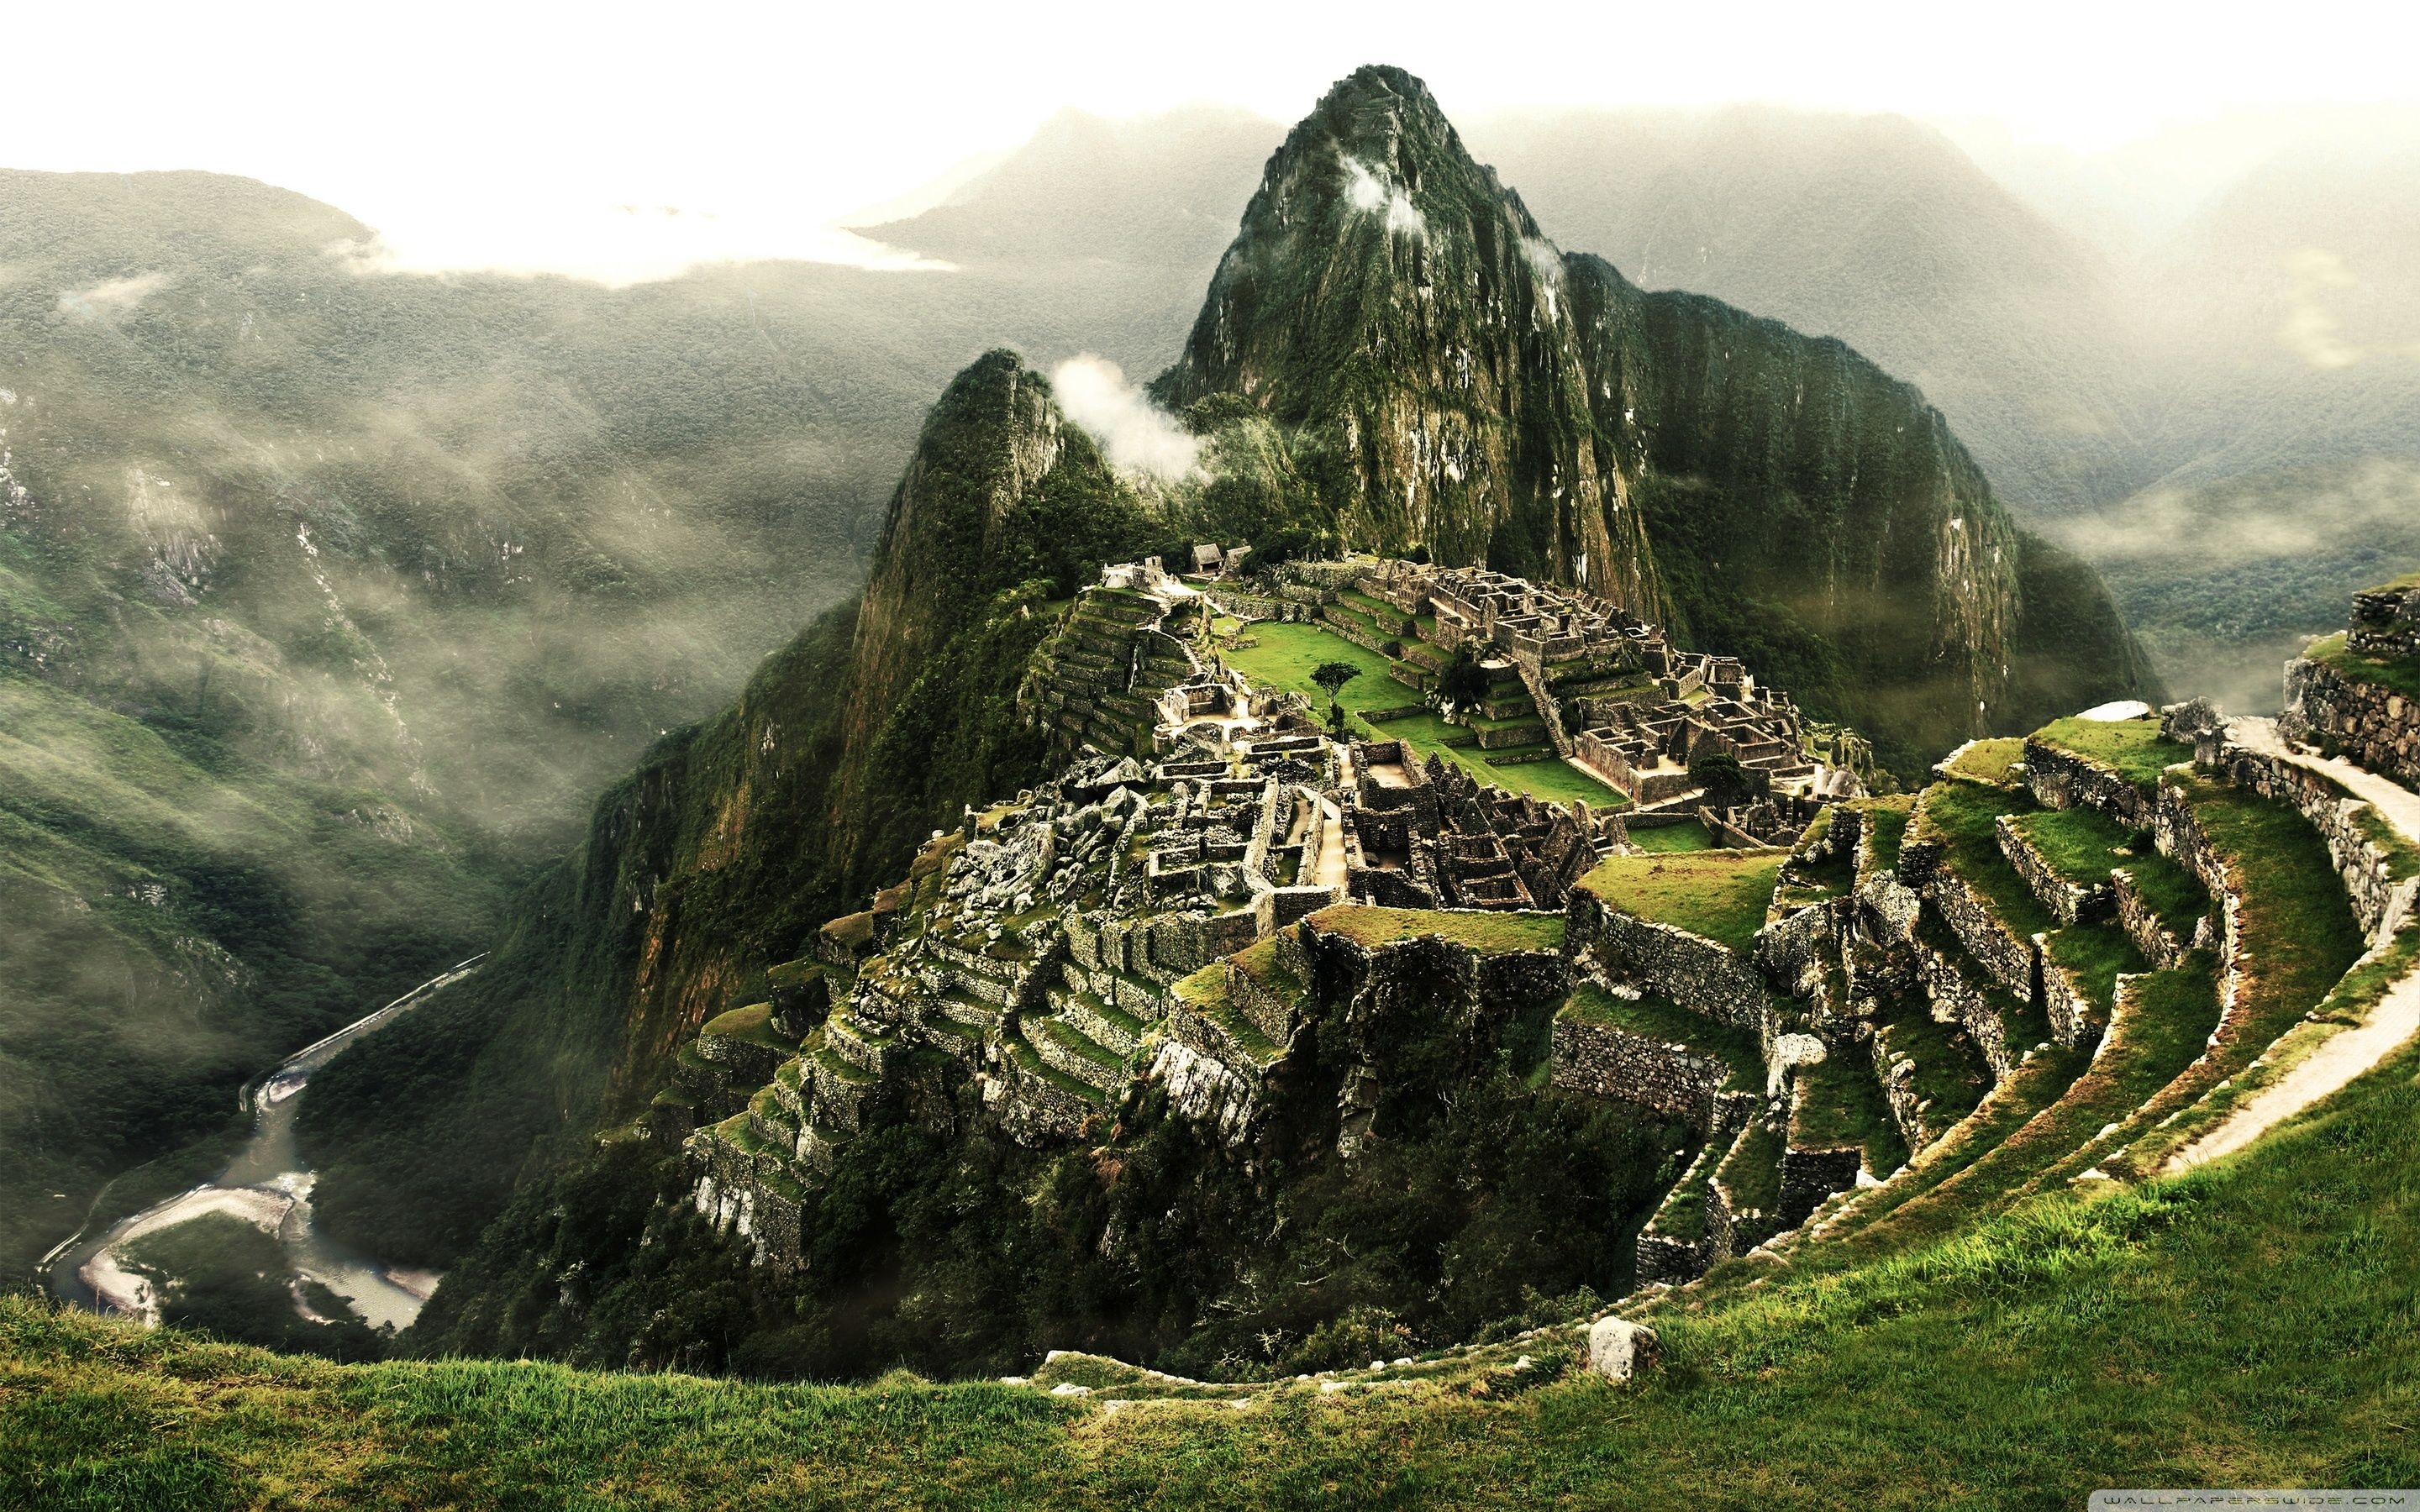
{"x":1465,"y":682}
{"x":1333,"y":675}
{"x":1728,"y":783}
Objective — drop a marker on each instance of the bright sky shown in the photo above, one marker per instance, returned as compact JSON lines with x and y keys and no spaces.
{"x":501,"y":134}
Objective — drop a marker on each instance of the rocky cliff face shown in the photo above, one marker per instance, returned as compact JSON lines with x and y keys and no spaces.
{"x":1393,"y":301}
{"x":736,"y":837}
{"x":1452,"y":379}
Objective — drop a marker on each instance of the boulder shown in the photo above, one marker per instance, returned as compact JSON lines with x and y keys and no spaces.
{"x":1619,"y":1349}
{"x":2193,"y":722}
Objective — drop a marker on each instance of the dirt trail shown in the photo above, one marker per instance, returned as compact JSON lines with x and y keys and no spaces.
{"x":2352,"y":1051}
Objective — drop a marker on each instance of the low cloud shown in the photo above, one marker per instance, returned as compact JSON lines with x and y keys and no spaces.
{"x":2312,"y":331}
{"x":112,"y":299}
{"x":1136,"y":433}
{"x":1371,"y":192}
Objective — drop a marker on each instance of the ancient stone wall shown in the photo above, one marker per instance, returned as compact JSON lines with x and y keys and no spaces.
{"x":1792,"y":951}
{"x":2161,"y":946}
{"x":1694,"y":972}
{"x":2386,"y":622}
{"x":2074,"y":902}
{"x":2000,"y":949}
{"x":1607,"y":1061}
{"x":2060,"y":779}
{"x":2365,"y":868}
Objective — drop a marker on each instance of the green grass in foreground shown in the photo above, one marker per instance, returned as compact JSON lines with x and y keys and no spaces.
{"x":2133,"y":746}
{"x":1488,"y":933}
{"x":2123,"y":1341}
{"x":1721,"y":895}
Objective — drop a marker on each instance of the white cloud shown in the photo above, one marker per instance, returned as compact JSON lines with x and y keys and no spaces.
{"x":1370,"y":193}
{"x":1135,"y":433}
{"x":2311,"y":330}
{"x":112,"y":298}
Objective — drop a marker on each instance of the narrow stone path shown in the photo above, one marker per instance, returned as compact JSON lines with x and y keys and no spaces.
{"x":2349,"y":1052}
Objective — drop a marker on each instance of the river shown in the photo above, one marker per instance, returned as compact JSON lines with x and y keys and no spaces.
{"x":266,"y":1185}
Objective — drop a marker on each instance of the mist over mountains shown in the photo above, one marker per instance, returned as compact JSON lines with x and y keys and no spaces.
{"x":331,"y":596}
{"x":2111,"y":337}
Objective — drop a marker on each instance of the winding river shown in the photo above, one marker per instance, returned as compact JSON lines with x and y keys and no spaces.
{"x":266,"y":1185}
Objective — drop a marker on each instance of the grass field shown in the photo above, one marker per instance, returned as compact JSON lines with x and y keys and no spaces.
{"x":2134,"y":747}
{"x":1719,"y":894}
{"x":1489,"y":933}
{"x":2396,"y":676}
{"x":1286,"y":655}
{"x":2069,"y":1345}
{"x":1690,"y":835}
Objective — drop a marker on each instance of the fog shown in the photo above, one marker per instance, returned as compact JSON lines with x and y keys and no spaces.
{"x":1134,"y":433}
{"x":548,"y":137}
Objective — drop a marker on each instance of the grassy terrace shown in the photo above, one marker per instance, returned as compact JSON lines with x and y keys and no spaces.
{"x":1872,"y":1230}
{"x":1840,"y":1103}
{"x":1721,"y":895}
{"x":2133,"y":746}
{"x":752,"y":1024}
{"x":2169,"y":1019}
{"x":1889,"y":817}
{"x":1286,"y":655}
{"x":2174,"y":894}
{"x":1690,"y":835}
{"x":1961,"y":816}
{"x":2081,"y":845}
{"x":1487,"y":934}
{"x":2299,"y":936}
{"x":1982,"y":1370}
{"x":1260,"y":962}
{"x":1031,"y":1059}
{"x":2396,"y":676}
{"x":1751,"y":1173}
{"x":1667,"y":1022}
{"x":1987,"y":761}
{"x":1949,"y":1075}
{"x":2099,"y":954}
{"x":1205,"y":993}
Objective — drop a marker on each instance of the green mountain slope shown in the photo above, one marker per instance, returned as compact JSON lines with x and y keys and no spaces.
{"x":1820,"y":519}
{"x":1453,"y":380}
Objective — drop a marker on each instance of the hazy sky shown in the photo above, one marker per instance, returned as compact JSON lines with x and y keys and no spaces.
{"x":557,"y":136}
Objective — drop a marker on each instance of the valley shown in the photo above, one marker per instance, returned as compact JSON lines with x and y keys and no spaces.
{"x":1508,"y":882}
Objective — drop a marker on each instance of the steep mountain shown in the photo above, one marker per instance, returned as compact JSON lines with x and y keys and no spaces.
{"x":740,"y":835}
{"x":1454,"y":383}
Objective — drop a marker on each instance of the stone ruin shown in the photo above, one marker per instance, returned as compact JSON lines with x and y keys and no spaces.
{"x":1154,"y":917}
{"x":1616,"y":696}
{"x":2386,"y":622}
{"x":1433,"y":836}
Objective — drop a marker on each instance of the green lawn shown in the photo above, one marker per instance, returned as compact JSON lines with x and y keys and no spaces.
{"x":1489,"y":933}
{"x":1721,"y":895}
{"x":2134,"y":747}
{"x":1689,"y":835}
{"x":1286,"y":655}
